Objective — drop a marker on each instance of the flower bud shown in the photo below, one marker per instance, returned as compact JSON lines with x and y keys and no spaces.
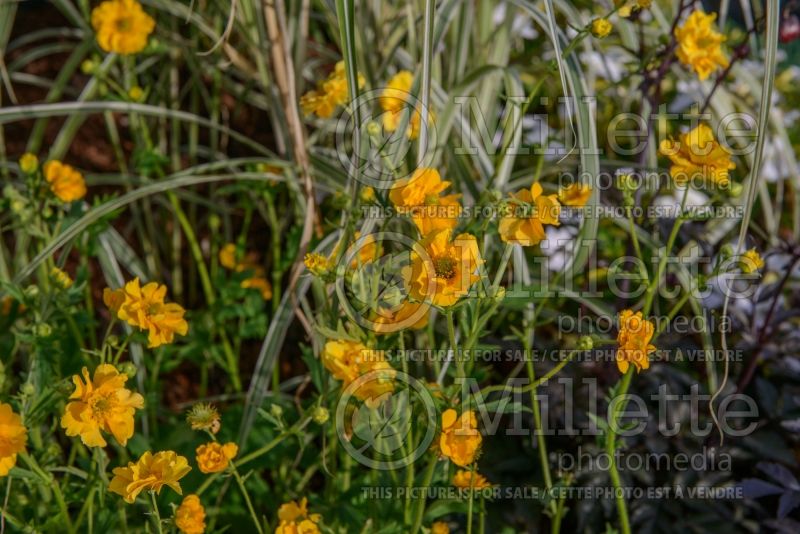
{"x":320,"y":415}
{"x":276,"y":410}
{"x":585,"y":343}
{"x":127,"y":368}
{"x":42,"y":330}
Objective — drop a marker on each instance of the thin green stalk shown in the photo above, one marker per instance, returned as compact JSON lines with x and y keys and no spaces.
{"x":451,"y":334}
{"x":247,"y":500}
{"x":471,"y":497}
{"x":427,"y":477}
{"x":156,"y":515}
{"x":611,"y":442}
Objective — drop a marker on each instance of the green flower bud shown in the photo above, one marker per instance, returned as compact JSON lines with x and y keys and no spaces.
{"x":585,"y":343}
{"x":320,"y":415}
{"x":127,"y":368}
{"x":42,"y":330}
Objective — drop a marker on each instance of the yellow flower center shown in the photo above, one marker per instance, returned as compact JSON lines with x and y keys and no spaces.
{"x":445,"y":268}
{"x":101,"y":405}
{"x":123,"y":24}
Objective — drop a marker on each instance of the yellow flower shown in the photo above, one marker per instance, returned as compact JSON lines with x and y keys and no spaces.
{"x":635,"y":334}
{"x":28,"y":163}
{"x":601,"y":28}
{"x":440,"y":527}
{"x":349,"y":360}
{"x":295,"y":519}
{"x":214,"y":457}
{"x":204,"y":416}
{"x":537,"y":210}
{"x":420,"y":196}
{"x":13,"y":437}
{"x":61,"y":278}
{"x":699,"y":44}
{"x":463,"y":478}
{"x":151,"y":472}
{"x":367,"y":195}
{"x":122,"y":26}
{"x":316,"y":263}
{"x":329,"y":94}
{"x":698,"y":155}
{"x":190,"y":517}
{"x":406,"y":315}
{"x":576,"y":195}
{"x":65,"y":182}
{"x":393,"y":102}
{"x":449,"y":270}
{"x":144,"y":307}
{"x":136,"y":93}
{"x":101,"y":404}
{"x":750,"y":261}
{"x":260,"y":283}
{"x":227,"y":256}
{"x":460,"y":439}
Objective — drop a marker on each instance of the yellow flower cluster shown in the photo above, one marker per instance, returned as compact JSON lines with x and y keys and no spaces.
{"x":394,"y":100}
{"x":460,"y":439}
{"x":214,"y":457}
{"x":700,"y":45}
{"x":529,"y":210}
{"x":190,"y":517}
{"x":150,"y":473}
{"x":601,"y":28}
{"x":227,"y":258}
{"x":61,"y":278}
{"x":122,"y":26}
{"x":698,"y":155}
{"x":295,"y":519}
{"x":349,"y":360}
{"x":13,"y":437}
{"x":329,"y":94}
{"x":635,"y":334}
{"x":144,"y":307}
{"x":65,"y":182}
{"x":101,"y":404}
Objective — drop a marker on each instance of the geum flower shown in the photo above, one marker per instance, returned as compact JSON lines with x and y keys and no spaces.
{"x":529,"y":210}
{"x":460,"y":439}
{"x":700,"y":45}
{"x":101,"y":404}
{"x":698,"y":156}
{"x":463,"y":479}
{"x":350,"y":360}
{"x":13,"y":437}
{"x":446,"y":271}
{"x":420,"y":196}
{"x":144,"y":308}
{"x":214,"y":457}
{"x":395,"y":100}
{"x":575,"y":195}
{"x":190,"y":517}
{"x":329,"y":94}
{"x":122,"y":26}
{"x":151,"y":472}
{"x":258,"y":280}
{"x":65,"y":181}
{"x":635,"y":334}
{"x":407,"y":314}
{"x":295,"y":519}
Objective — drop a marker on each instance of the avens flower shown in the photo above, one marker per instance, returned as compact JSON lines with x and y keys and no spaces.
{"x":150,"y":473}
{"x":529,"y":210}
{"x":750,"y":261}
{"x":460,"y":439}
{"x":66,"y":183}
{"x":214,"y":457}
{"x":698,"y":156}
{"x":447,"y":271}
{"x":122,"y":26}
{"x":295,"y":519}
{"x":190,"y":517}
{"x":635,"y":334}
{"x":463,"y":479}
{"x":700,"y":45}
{"x":101,"y":404}
{"x":13,"y":437}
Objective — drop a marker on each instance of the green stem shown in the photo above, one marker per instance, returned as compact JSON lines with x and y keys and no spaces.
{"x":428,"y":476}
{"x":156,"y":515}
{"x":451,"y":334}
{"x":611,"y":445}
{"x":247,"y":500}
